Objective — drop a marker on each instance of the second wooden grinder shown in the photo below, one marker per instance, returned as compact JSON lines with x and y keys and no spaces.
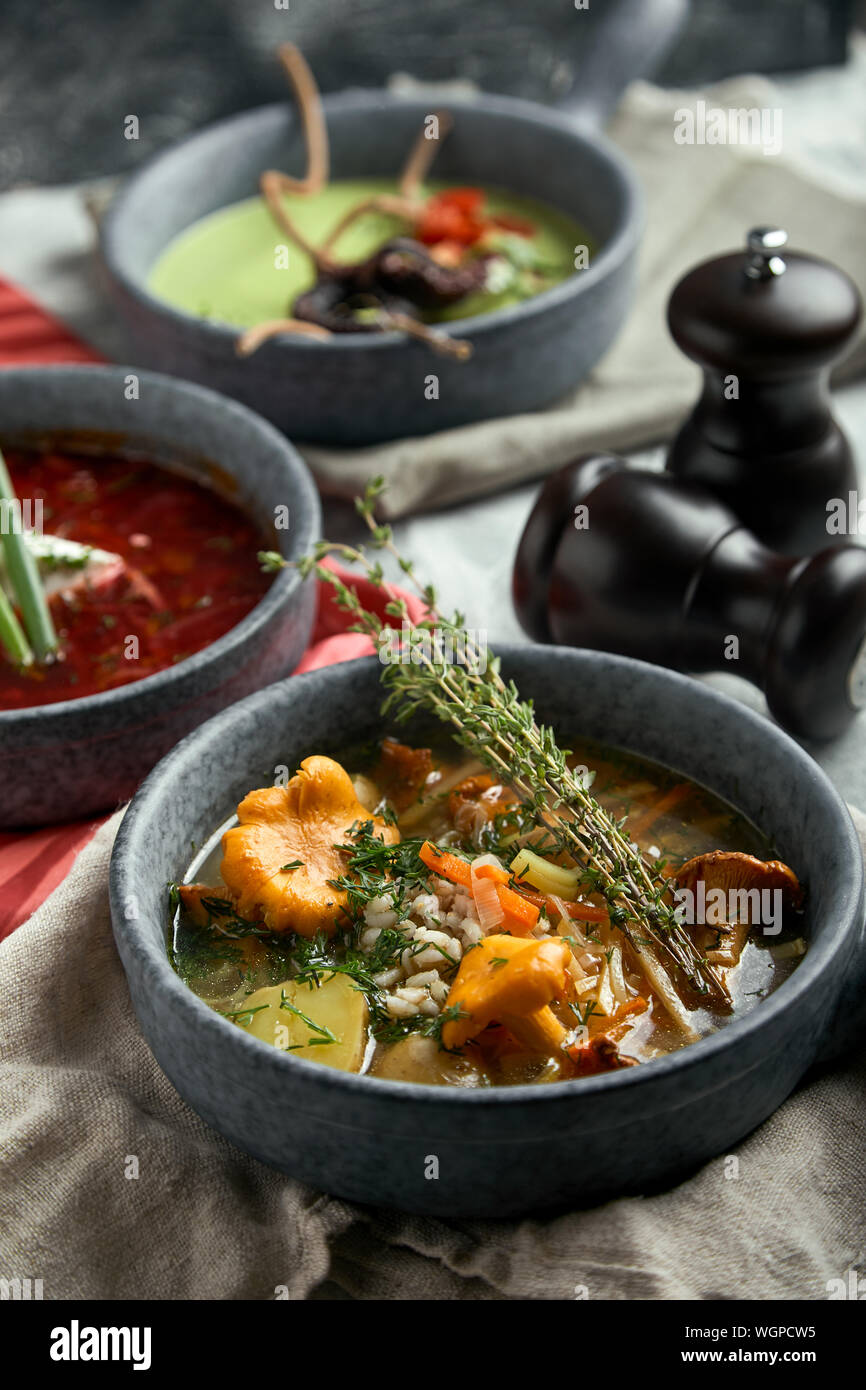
{"x":625,"y":560}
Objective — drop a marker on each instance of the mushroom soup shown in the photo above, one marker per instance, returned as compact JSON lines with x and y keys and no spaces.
{"x":405,"y":913}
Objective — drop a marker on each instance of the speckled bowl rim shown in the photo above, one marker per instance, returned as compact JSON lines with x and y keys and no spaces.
{"x":285,"y":584}
{"x":338,"y":1084}
{"x":611,"y":256}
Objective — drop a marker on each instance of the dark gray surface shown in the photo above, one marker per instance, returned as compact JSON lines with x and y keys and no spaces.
{"x":358,"y":389}
{"x":367,"y":1139}
{"x":72,"y":72}
{"x":59,"y":762}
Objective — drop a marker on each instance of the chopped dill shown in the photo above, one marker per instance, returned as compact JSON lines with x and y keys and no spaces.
{"x":377,"y":870}
{"x":590,"y":1009}
{"x":325,"y":1034}
{"x":242,"y":1016}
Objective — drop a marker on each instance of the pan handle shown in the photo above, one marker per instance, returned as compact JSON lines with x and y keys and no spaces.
{"x":628,"y":40}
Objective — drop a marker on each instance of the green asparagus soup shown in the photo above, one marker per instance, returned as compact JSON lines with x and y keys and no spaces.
{"x":236,"y":265}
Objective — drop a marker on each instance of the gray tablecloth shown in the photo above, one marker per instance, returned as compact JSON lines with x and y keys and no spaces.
{"x":111,"y":1187}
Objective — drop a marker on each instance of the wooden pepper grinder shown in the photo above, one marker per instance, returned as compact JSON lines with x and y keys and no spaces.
{"x":765,"y":324}
{"x":624,"y":560}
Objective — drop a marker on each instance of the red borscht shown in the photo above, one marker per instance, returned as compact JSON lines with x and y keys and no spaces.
{"x":170,"y":567}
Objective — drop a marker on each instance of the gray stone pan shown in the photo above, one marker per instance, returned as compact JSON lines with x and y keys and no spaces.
{"x":506,"y":1150}
{"x":357,"y":389}
{"x":77,"y":757}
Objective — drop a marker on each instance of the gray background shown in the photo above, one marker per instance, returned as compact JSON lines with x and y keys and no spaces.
{"x":72,"y":69}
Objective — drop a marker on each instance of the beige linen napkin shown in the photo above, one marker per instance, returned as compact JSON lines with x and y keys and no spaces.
{"x":701,"y":199}
{"x":83,"y":1106}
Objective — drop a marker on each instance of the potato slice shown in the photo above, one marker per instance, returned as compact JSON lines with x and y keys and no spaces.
{"x":422,"y":1060}
{"x":336,"y":1033}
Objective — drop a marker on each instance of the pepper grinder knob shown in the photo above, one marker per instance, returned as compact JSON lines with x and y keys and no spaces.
{"x":626,"y":560}
{"x":765,"y":325}
{"x":763,"y":244}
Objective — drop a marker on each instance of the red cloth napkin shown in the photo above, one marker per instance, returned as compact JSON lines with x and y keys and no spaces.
{"x":32,"y":863}
{"x":29,"y":336}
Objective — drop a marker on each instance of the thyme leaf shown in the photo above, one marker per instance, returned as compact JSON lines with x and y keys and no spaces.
{"x":488,"y":717}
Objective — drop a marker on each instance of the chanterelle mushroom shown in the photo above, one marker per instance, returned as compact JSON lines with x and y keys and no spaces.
{"x":598,"y":1055}
{"x":509,"y":980}
{"x":476,"y":801}
{"x":402,"y":772}
{"x":279,"y":862}
{"x":729,"y":895}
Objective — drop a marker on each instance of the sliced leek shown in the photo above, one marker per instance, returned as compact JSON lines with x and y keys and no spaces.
{"x":545,"y":877}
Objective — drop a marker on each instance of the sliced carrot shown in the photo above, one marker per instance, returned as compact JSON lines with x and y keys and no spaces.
{"x":492,"y":871}
{"x":645,"y":821}
{"x":577,"y":911}
{"x":638,"y":1005}
{"x":521,"y":914}
{"x":445,"y":864}
{"x":586,"y":912}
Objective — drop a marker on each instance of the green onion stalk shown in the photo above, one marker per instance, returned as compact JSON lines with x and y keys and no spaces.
{"x":27,"y":588}
{"x":12,"y":636}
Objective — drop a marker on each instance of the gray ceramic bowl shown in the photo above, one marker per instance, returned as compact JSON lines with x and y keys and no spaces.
{"x":508,"y":1150}
{"x":360,"y":388}
{"x":77,"y":757}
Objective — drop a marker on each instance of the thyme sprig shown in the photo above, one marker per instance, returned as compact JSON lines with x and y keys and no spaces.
{"x":489,"y":718}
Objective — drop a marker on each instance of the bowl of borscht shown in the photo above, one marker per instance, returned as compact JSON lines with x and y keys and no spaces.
{"x":145,"y":504}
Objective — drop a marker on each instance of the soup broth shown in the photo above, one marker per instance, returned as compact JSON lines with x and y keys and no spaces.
{"x":225,"y":267}
{"x":403,"y":947}
{"x":142,"y":567}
